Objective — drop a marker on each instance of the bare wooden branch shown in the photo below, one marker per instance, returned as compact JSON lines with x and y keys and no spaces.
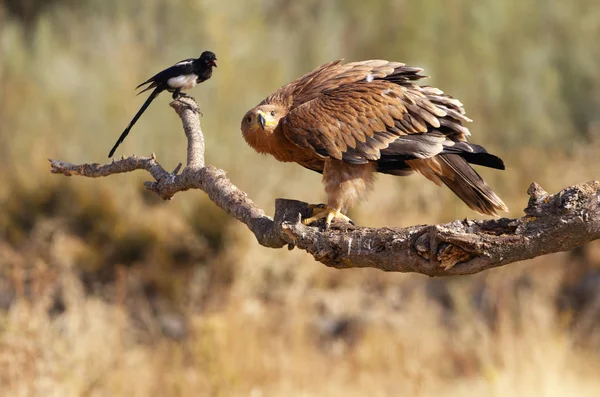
{"x":190,"y":117}
{"x":552,"y":223}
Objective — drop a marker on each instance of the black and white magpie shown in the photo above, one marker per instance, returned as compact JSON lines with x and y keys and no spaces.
{"x":181,"y":76}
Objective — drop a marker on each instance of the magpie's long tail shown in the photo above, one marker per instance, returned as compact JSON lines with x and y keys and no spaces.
{"x":153,"y":95}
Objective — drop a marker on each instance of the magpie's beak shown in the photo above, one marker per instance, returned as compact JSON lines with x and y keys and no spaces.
{"x":213,"y":63}
{"x":262,"y":121}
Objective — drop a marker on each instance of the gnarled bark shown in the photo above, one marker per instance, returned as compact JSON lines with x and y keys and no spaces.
{"x":552,"y":223}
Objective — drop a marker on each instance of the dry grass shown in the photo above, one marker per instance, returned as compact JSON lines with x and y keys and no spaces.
{"x":399,"y":342}
{"x":106,"y":291}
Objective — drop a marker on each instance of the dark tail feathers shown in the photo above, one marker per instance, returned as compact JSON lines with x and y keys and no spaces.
{"x":152,"y":96}
{"x":475,"y":154}
{"x":458,"y":175}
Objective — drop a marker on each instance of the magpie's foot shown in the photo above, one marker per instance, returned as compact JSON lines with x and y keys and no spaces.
{"x":188,"y":106}
{"x":178,"y":94}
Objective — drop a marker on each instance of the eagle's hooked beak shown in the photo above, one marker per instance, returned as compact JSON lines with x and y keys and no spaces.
{"x":265,"y":119}
{"x":262,"y":121}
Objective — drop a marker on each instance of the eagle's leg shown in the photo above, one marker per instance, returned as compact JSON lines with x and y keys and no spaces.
{"x":344,"y":184}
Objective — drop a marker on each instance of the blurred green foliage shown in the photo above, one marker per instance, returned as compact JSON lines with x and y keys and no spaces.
{"x":526,"y":71}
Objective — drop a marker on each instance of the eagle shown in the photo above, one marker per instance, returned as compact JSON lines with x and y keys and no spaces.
{"x":348,"y":121}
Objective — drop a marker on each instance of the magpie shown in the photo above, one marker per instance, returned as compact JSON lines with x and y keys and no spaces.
{"x":181,"y":76}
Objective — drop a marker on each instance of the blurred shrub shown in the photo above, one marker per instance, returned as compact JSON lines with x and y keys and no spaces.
{"x":60,"y":223}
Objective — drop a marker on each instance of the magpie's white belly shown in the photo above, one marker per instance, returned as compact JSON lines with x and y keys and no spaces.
{"x":183,"y":82}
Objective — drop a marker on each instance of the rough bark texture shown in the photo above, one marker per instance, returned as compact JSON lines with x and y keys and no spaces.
{"x":552,"y":223}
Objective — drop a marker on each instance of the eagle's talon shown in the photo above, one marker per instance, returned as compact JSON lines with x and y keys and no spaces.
{"x":321,"y":211}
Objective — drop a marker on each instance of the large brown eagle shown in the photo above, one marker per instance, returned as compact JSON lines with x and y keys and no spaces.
{"x":348,"y":121}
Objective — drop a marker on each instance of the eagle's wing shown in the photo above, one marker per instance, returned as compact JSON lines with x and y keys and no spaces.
{"x":304,"y":87}
{"x":353,"y":112}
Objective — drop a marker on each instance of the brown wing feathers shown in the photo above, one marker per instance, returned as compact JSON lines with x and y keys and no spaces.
{"x":370,"y":106}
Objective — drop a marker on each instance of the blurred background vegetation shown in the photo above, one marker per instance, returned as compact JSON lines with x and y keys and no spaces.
{"x":106,"y":290}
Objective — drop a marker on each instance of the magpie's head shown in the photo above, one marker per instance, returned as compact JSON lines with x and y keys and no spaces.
{"x":209,"y":58}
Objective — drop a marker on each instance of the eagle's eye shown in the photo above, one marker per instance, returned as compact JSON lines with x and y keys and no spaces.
{"x":249,"y":119}
{"x":272,"y":113}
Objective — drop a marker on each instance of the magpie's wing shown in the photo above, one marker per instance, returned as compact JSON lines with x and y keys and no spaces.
{"x":188,"y":61}
{"x":181,"y":67}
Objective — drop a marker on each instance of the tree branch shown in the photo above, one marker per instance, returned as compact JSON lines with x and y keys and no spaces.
{"x":553,"y":223}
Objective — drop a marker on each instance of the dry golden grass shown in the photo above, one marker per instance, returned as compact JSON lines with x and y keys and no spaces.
{"x":400,"y":343}
{"x":105,"y":291}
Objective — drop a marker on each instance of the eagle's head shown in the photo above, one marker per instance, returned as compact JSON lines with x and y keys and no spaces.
{"x":260,"y":123}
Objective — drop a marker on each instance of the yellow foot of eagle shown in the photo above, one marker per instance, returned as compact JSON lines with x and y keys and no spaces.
{"x":321,"y":211}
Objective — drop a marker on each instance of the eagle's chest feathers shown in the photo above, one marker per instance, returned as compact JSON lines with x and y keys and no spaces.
{"x":277,"y":145}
